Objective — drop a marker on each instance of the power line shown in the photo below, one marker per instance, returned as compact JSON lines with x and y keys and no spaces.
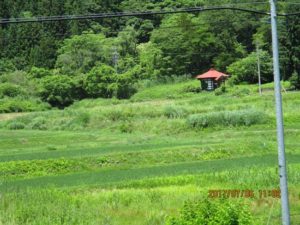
{"x":137,"y":14}
{"x":123,"y":14}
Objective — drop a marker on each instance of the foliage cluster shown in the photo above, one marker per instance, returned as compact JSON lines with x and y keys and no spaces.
{"x":111,"y":58}
{"x":208,"y":212}
{"x":8,"y":105}
{"x":227,"y":118}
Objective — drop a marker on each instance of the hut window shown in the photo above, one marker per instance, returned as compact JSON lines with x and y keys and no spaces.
{"x":210,"y":84}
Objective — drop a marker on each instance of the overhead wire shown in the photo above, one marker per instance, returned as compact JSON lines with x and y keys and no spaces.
{"x":123,"y":14}
{"x":227,"y":6}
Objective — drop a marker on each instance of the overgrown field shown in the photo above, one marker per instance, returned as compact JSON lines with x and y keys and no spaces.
{"x":138,"y":161}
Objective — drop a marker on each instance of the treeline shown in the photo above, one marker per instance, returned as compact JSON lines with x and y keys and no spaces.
{"x":63,"y":61}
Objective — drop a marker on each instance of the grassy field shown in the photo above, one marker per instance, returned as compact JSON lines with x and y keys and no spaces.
{"x":137,"y":161}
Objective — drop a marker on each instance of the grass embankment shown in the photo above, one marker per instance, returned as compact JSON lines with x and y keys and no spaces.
{"x":137,"y":161}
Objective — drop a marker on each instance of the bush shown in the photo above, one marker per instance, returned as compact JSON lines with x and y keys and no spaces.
{"x":8,"y":105}
{"x":175,"y":111}
{"x":295,"y":80}
{"x":221,"y":90}
{"x":36,"y":72}
{"x":125,"y":87}
{"x":17,"y":77}
{"x":15,"y":125}
{"x":192,"y":88}
{"x":118,"y":115}
{"x":227,"y":118}
{"x":126,"y":127}
{"x":38,"y":123}
{"x":82,"y":119}
{"x":58,"y":90}
{"x":207,"y":212}
{"x":10,"y":90}
{"x":6,"y":66}
{"x":241,"y":92}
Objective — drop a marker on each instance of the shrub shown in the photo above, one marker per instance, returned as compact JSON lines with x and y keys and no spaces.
{"x":6,"y":66}
{"x":207,"y":212}
{"x":84,"y":118}
{"x":8,"y":105}
{"x":126,"y":127}
{"x":295,"y":80}
{"x":117,"y":114}
{"x":241,"y":92}
{"x":15,"y":125}
{"x":17,"y":77}
{"x":38,"y":123}
{"x":173,"y":111}
{"x":227,"y":118}
{"x":36,"y":72}
{"x":221,"y":90}
{"x":125,"y":87}
{"x":10,"y":90}
{"x":192,"y":88}
{"x":58,"y":90}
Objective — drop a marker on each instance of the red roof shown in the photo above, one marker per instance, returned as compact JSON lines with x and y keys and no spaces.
{"x":212,"y":73}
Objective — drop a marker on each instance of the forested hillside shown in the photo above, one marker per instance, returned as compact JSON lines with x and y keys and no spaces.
{"x":59,"y":62}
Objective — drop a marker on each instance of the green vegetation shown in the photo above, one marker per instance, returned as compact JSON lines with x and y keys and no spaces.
{"x":115,"y":58}
{"x":225,"y":118}
{"x":242,"y":70}
{"x":22,"y":105}
{"x":102,"y":121}
{"x":207,"y":212}
{"x":140,"y":161}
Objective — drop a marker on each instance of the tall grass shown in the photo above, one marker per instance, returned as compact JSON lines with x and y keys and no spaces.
{"x":227,"y":118}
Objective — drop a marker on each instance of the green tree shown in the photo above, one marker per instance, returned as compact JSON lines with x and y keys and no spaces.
{"x":101,"y":82}
{"x":58,"y":90}
{"x":36,"y":72}
{"x":150,"y":57}
{"x":185,"y":46}
{"x":11,"y":90}
{"x":80,"y":53}
{"x":125,"y":84}
{"x":127,"y":40}
{"x":6,"y":66}
{"x":295,"y":80}
{"x":291,"y":44}
{"x":245,"y":70}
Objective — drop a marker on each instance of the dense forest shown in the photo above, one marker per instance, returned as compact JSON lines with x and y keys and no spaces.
{"x":63,"y":61}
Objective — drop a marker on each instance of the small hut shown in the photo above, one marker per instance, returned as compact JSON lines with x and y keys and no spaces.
{"x":212,"y":79}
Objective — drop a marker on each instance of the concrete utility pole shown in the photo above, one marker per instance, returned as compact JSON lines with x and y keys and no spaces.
{"x":279,"y":117}
{"x":258,"y":69}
